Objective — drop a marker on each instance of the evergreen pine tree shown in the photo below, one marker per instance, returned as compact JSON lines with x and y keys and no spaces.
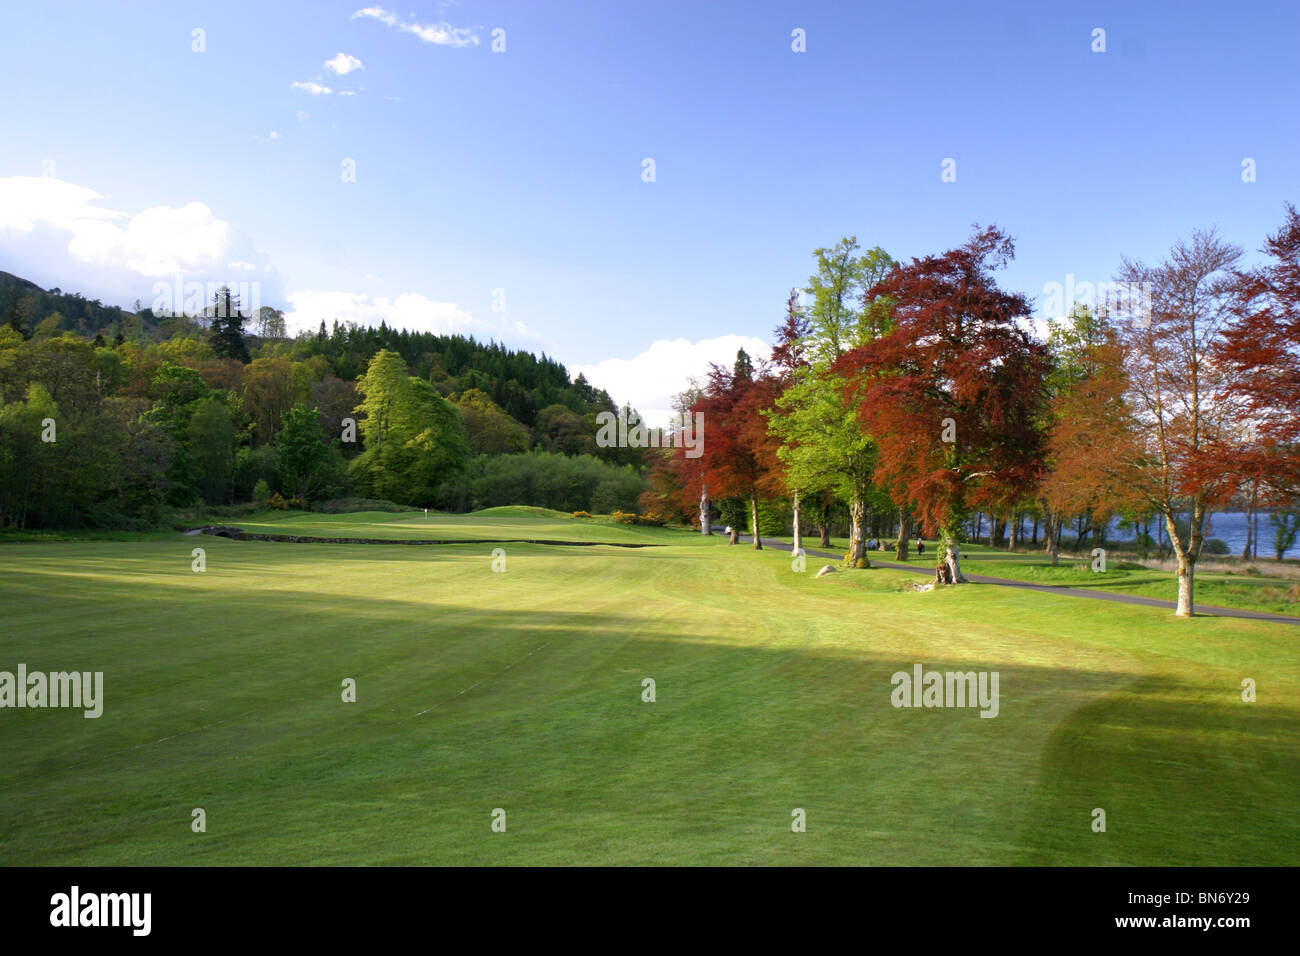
{"x":228,"y":326}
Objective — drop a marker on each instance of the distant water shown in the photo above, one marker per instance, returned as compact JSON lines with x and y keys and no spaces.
{"x":1229,"y":526}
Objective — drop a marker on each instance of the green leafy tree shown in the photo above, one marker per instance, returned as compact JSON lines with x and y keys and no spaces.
{"x":303,"y":454}
{"x":490,"y":431}
{"x":1286,"y":527}
{"x":823,"y":444}
{"x":415,"y":439}
{"x":210,"y":441}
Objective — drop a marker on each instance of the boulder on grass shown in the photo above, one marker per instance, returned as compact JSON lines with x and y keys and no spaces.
{"x":826,"y":569}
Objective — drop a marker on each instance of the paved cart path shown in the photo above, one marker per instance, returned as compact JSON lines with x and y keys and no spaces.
{"x":1048,"y":588}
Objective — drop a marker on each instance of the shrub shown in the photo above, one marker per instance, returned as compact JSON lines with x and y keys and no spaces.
{"x":277,"y":501}
{"x":581,"y":514}
{"x":548,"y":480}
{"x":261,"y":491}
{"x":1216,"y":546}
{"x":774,"y":518}
{"x":652,"y":518}
{"x":341,"y":505}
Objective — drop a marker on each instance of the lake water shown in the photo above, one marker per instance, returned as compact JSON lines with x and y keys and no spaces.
{"x":1229,"y":526}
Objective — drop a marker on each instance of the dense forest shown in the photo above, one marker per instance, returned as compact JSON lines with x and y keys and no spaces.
{"x":118,"y":418}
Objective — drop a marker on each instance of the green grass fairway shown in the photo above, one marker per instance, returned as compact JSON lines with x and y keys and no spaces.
{"x":503,"y":524}
{"x":522,"y":690}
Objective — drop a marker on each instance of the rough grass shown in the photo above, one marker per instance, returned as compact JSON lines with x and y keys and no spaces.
{"x":522,"y":690}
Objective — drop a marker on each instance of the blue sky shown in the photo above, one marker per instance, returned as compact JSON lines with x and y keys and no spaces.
{"x":521,"y":171}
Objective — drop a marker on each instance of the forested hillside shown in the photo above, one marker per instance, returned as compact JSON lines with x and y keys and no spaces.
{"x":116,"y":418}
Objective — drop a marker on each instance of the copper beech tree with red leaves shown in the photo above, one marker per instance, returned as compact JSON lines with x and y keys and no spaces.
{"x":1263,"y":350}
{"x":952,"y":395}
{"x":1091,"y":453}
{"x":738,"y":454}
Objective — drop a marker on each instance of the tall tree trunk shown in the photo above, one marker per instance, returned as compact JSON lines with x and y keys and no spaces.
{"x":1054,"y":538}
{"x":904,"y":533}
{"x":1186,"y":552}
{"x":1034,"y":540}
{"x":753,"y":512}
{"x":798,"y":531}
{"x":857,"y":543}
{"x":1250,"y":511}
{"x":1015,"y":527}
{"x":704,"y":511}
{"x":824,"y":531}
{"x":948,"y":569}
{"x":1186,"y":585}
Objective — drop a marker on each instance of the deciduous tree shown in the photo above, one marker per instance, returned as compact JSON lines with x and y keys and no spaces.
{"x":952,"y":392}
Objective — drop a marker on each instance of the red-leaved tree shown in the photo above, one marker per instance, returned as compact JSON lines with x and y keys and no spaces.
{"x":1263,"y":350}
{"x":952,"y":394}
{"x":738,"y":454}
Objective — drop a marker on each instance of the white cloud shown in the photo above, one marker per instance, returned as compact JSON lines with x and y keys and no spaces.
{"x":347,"y":93}
{"x":376,"y":13}
{"x":315,"y":89}
{"x":68,"y":234}
{"x":153,"y":242}
{"x":410,"y":310}
{"x":650,"y":381}
{"x":343,"y":63}
{"x":27,"y":200}
{"x":303,"y":115}
{"x":274,"y":135}
{"x":441,"y":34}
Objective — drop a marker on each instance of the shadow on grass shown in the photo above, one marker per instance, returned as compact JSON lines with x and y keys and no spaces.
{"x":235,"y":705}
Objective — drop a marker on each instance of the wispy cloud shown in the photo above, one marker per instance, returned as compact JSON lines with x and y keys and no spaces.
{"x":315,"y":89}
{"x":376,"y":13}
{"x":441,"y":34}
